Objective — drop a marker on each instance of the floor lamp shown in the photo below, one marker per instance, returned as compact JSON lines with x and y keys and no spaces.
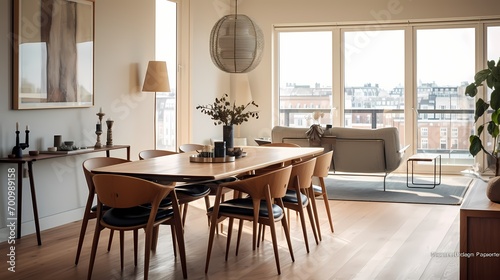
{"x":156,"y":80}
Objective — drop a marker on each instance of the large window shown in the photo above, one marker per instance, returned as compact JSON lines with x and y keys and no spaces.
{"x":411,"y":76}
{"x":445,"y":65}
{"x":305,"y":80}
{"x":166,"y":50}
{"x":374,"y":79}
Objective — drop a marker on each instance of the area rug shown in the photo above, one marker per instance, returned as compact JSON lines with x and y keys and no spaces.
{"x":368,"y":188}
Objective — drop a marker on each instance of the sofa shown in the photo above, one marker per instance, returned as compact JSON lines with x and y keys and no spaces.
{"x":374,"y":152}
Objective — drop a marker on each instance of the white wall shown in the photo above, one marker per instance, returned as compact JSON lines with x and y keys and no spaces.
{"x":124,"y":43}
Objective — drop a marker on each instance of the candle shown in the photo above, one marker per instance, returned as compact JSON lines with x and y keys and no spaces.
{"x":109,"y":119}
{"x":100,"y":110}
{"x":27,"y":127}
{"x":17,"y":126}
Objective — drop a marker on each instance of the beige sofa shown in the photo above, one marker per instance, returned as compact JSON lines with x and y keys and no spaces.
{"x":359,"y":151}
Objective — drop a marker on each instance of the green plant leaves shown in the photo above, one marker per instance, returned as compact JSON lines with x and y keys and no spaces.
{"x":223,"y":112}
{"x":475,"y":145}
{"x":471,"y":90}
{"x":481,"y":107}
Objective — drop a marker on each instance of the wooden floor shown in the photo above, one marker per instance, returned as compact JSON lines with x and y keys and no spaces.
{"x":371,"y":241}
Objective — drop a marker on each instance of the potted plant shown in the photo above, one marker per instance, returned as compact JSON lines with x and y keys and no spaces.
{"x":227,"y":114}
{"x":492,"y":77}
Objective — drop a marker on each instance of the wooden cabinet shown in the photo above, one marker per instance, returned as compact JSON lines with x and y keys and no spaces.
{"x":479,"y":236}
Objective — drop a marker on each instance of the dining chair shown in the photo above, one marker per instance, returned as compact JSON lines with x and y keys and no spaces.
{"x":185,"y":192}
{"x":90,"y":211}
{"x":184,"y":148}
{"x":126,"y":195}
{"x":321,"y":169}
{"x":299,"y":195}
{"x":263,"y":205}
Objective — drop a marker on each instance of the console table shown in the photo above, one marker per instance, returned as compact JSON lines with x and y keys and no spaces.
{"x":479,"y":243}
{"x":42,"y":156}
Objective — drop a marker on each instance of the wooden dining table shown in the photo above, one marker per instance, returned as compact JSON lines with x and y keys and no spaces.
{"x":179,"y":168}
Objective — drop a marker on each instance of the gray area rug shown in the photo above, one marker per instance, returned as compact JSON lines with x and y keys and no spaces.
{"x":367,"y":188}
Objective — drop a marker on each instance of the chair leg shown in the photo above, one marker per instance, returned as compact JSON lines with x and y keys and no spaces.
{"x":184,"y":213}
{"x":311,"y":220}
{"x":154,"y":238}
{"x":147,"y":250}
{"x":229,"y":235}
{"x":327,"y":205}
{"x":286,"y":229}
{"x":240,"y":229}
{"x":303,"y":224}
{"x":312,"y":198}
{"x":85,"y":221}
{"x":207,"y":205}
{"x":275,"y":246}
{"x":93,"y":252}
{"x":172,"y":229}
{"x":136,"y":238}
{"x":121,"y":248}
{"x":179,"y":235}
{"x":110,"y":239}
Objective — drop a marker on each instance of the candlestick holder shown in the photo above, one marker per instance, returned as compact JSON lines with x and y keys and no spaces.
{"x":98,"y":142}
{"x":17,"y":151}
{"x":109,"y":135}
{"x":98,"y":130}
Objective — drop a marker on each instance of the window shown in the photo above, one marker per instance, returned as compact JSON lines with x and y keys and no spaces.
{"x":166,"y":48}
{"x":374,"y":78}
{"x":424,"y":131}
{"x":439,"y":91}
{"x":305,"y":75}
{"x":375,"y":66}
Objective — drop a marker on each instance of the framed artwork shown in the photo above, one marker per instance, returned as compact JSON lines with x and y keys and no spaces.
{"x":53,"y":56}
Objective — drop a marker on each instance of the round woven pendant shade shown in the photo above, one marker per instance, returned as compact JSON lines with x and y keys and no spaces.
{"x":236,"y":44}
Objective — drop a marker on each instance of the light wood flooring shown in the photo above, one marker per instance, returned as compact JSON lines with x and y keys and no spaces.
{"x":371,"y":241}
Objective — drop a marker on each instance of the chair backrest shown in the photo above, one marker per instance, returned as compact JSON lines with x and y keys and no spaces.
{"x":256,"y":186}
{"x":279,"y":144}
{"x":120,"y":191}
{"x":323,"y":163}
{"x":302,"y":173}
{"x":184,"y":148}
{"x":154,"y":153}
{"x":93,"y":163}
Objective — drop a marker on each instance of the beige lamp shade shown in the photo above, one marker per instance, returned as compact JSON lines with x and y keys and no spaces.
{"x":156,"y":79}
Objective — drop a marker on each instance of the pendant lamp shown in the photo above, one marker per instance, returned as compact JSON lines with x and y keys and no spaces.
{"x":236,"y":43}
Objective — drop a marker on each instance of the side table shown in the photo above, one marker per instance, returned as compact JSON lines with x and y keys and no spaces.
{"x":425,"y":158}
{"x":29,"y":160}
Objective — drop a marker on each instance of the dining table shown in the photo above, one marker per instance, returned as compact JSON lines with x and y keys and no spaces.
{"x":179,"y":167}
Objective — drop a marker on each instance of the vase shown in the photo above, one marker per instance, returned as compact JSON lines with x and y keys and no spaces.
{"x":227,"y":136}
{"x":493,"y":164}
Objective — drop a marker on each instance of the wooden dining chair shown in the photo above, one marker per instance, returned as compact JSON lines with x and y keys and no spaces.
{"x":262,"y":206}
{"x":299,"y":195}
{"x":321,"y":169}
{"x":185,"y":192}
{"x":184,"y":148}
{"x":90,"y":211}
{"x":126,"y":195}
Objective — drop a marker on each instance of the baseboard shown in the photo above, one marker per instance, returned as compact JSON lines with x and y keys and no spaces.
{"x":49,"y":222}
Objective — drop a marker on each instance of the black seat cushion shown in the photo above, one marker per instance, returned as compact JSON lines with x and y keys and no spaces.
{"x":291,"y":197}
{"x":127,"y":217}
{"x":104,"y":207}
{"x":317,"y":189}
{"x":244,"y":206}
{"x":193,"y":190}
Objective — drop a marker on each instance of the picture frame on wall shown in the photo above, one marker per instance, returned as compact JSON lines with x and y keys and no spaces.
{"x":53,"y":54}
